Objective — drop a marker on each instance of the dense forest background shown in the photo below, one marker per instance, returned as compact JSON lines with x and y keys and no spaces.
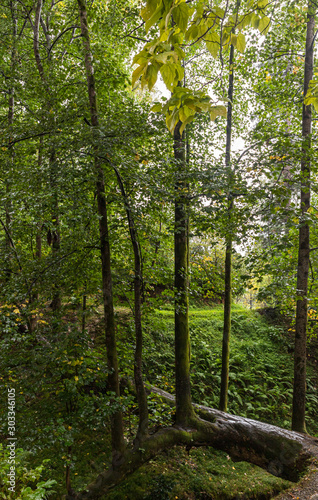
{"x":158,"y":233}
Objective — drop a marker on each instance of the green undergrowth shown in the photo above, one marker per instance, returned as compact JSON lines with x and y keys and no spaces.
{"x":63,"y":406}
{"x":261,"y":366}
{"x":202,"y":474}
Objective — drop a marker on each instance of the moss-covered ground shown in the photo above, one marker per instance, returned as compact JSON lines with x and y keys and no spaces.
{"x":202,"y":474}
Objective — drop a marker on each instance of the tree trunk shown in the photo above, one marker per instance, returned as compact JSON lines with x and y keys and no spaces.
{"x":117,"y":432}
{"x":299,"y":393}
{"x":139,"y":384}
{"x":184,"y":409}
{"x":34,"y":295}
{"x":228,"y":255}
{"x":8,"y":203}
{"x":53,"y":236}
{"x":282,"y":453}
{"x":226,"y":325}
{"x":84,"y":309}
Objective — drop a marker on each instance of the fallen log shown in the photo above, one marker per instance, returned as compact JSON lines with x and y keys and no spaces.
{"x":281,"y":452}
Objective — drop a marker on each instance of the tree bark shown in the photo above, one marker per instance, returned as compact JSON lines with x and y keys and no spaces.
{"x":184,"y":409}
{"x":228,"y":255}
{"x":117,"y":432}
{"x":139,"y":384}
{"x":299,"y":393}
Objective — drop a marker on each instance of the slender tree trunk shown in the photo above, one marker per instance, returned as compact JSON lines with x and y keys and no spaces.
{"x":118,"y":444}
{"x":8,"y":203}
{"x":226,"y":326}
{"x":54,"y":236}
{"x":228,"y":255}
{"x":140,"y":388}
{"x":184,"y":409}
{"x":299,"y":394}
{"x":84,"y":309}
{"x":34,"y":295}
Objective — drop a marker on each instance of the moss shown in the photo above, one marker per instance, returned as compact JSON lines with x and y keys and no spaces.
{"x":201,"y":474}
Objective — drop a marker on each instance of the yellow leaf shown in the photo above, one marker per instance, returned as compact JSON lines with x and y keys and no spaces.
{"x":217,"y":111}
{"x":137,"y":73}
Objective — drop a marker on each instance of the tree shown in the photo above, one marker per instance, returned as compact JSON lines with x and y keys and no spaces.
{"x":299,"y":395}
{"x":118,"y":444}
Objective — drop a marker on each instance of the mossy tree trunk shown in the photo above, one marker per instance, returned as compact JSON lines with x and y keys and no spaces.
{"x":282,"y":453}
{"x":184,"y":409}
{"x":117,"y":432}
{"x":299,"y":392}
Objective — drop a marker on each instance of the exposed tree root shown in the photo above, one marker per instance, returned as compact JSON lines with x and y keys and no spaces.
{"x":282,"y":453}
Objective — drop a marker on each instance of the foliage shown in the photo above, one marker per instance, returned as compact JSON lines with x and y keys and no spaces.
{"x":261,"y":367}
{"x":29,"y":485}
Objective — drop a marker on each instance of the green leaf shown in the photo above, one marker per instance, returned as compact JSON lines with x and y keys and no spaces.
{"x":181,"y":15}
{"x":162,"y":58}
{"x":151,"y":76}
{"x":203,"y":29}
{"x":261,"y":4}
{"x":240,"y":43}
{"x":315,"y":104}
{"x":137,"y":73}
{"x":185,"y":112}
{"x":150,"y":9}
{"x":156,"y":108}
{"x":154,"y":18}
{"x":245,"y":21}
{"x":141,"y":57}
{"x":234,"y":40}
{"x":255,"y":20}
{"x":185,"y":123}
{"x":180,"y":72}
{"x":204,"y":105}
{"x":217,"y":111}
{"x":168,"y":74}
{"x":226,"y":37}
{"x":192,"y":33}
{"x":212,"y":41}
{"x":172,"y":120}
{"x":264,"y":25}
{"x":218,"y":12}
{"x":179,"y":52}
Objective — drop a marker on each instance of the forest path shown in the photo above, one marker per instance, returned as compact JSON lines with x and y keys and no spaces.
{"x":307,"y":488}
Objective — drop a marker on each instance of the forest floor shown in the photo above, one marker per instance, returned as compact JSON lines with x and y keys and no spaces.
{"x":306,"y":489}
{"x":260,"y":387}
